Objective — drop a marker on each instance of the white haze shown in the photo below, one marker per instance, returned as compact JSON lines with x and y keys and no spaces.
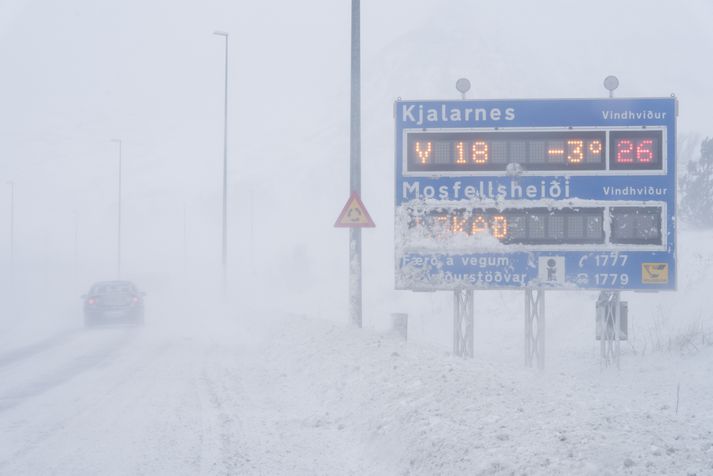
{"x":78,"y":73}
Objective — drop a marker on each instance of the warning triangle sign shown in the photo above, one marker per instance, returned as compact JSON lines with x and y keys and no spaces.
{"x":354,"y":214}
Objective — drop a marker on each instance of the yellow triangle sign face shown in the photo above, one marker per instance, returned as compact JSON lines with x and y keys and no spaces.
{"x":354,"y":214}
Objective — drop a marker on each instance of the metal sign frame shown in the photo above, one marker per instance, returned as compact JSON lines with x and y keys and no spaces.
{"x":483,"y":262}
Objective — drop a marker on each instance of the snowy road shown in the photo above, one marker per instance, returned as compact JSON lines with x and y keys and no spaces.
{"x":299,"y":396}
{"x":137,"y":401}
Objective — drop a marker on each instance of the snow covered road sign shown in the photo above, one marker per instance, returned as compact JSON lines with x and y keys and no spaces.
{"x":562,"y":193}
{"x":354,"y":214}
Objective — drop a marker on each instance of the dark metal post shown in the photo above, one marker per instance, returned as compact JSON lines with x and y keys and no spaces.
{"x":609,"y":327}
{"x":118,"y":228}
{"x":185,"y":240}
{"x":225,"y":174}
{"x":355,"y":169}
{"x":224,"y":258}
{"x":12,"y":223}
{"x":118,"y":238}
{"x":463,"y":325}
{"x":535,"y":327}
{"x":76,"y":247}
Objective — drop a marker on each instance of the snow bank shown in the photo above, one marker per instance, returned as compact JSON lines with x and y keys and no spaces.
{"x":415,"y":409}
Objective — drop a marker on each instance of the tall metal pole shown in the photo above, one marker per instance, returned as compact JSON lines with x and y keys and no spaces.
{"x":355,"y":168}
{"x":252,"y":231}
{"x":12,"y":223}
{"x":463,"y":328}
{"x":76,"y":249}
{"x":225,"y":167}
{"x":185,"y":240}
{"x":118,"y":228}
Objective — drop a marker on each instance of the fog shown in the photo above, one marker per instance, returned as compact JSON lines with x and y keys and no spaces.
{"x":78,"y":75}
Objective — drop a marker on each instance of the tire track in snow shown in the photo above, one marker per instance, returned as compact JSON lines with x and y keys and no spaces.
{"x":86,"y":403}
{"x":264,"y":412}
{"x":221,"y":431}
{"x":66,"y":372}
{"x":22,"y":353}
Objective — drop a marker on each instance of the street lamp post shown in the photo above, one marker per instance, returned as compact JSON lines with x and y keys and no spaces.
{"x":355,"y":272}
{"x":225,"y":165}
{"x":12,"y":222}
{"x":118,"y":228}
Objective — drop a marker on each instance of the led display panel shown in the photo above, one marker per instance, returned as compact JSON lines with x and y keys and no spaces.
{"x":488,"y":151}
{"x":536,"y":193}
{"x":636,"y":225}
{"x":538,"y":226}
{"x":635,"y":150}
{"x":516,"y":226}
{"x":535,"y":151}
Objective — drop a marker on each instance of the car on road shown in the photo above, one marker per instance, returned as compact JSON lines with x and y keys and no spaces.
{"x":110,"y":302}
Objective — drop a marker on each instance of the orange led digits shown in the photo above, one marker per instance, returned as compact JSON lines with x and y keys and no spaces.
{"x":479,"y":225}
{"x":595,"y":147}
{"x":499,"y":227}
{"x":461,"y":153}
{"x":457,"y":223}
{"x":576,"y":155}
{"x":444,"y":224}
{"x":424,"y":152}
{"x":480,"y":152}
{"x":441,"y":219}
{"x":475,"y":151}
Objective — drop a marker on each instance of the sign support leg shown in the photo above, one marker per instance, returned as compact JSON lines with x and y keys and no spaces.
{"x":609,"y":327}
{"x":535,"y":328}
{"x":463,"y":323}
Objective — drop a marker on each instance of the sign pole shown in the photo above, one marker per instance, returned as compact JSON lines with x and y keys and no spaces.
{"x":355,"y":169}
{"x":463,"y":327}
{"x":463,"y":333}
{"x":609,"y":327}
{"x":535,"y":327}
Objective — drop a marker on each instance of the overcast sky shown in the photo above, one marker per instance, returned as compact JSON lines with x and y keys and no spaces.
{"x":78,"y":73}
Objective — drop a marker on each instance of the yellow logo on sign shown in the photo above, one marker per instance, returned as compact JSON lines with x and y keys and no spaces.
{"x":654,"y":273}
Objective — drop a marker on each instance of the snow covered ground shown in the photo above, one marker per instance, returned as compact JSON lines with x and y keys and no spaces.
{"x":267,"y":393}
{"x":199,"y":390}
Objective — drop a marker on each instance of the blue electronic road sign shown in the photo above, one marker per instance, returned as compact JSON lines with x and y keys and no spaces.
{"x":562,"y":193}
